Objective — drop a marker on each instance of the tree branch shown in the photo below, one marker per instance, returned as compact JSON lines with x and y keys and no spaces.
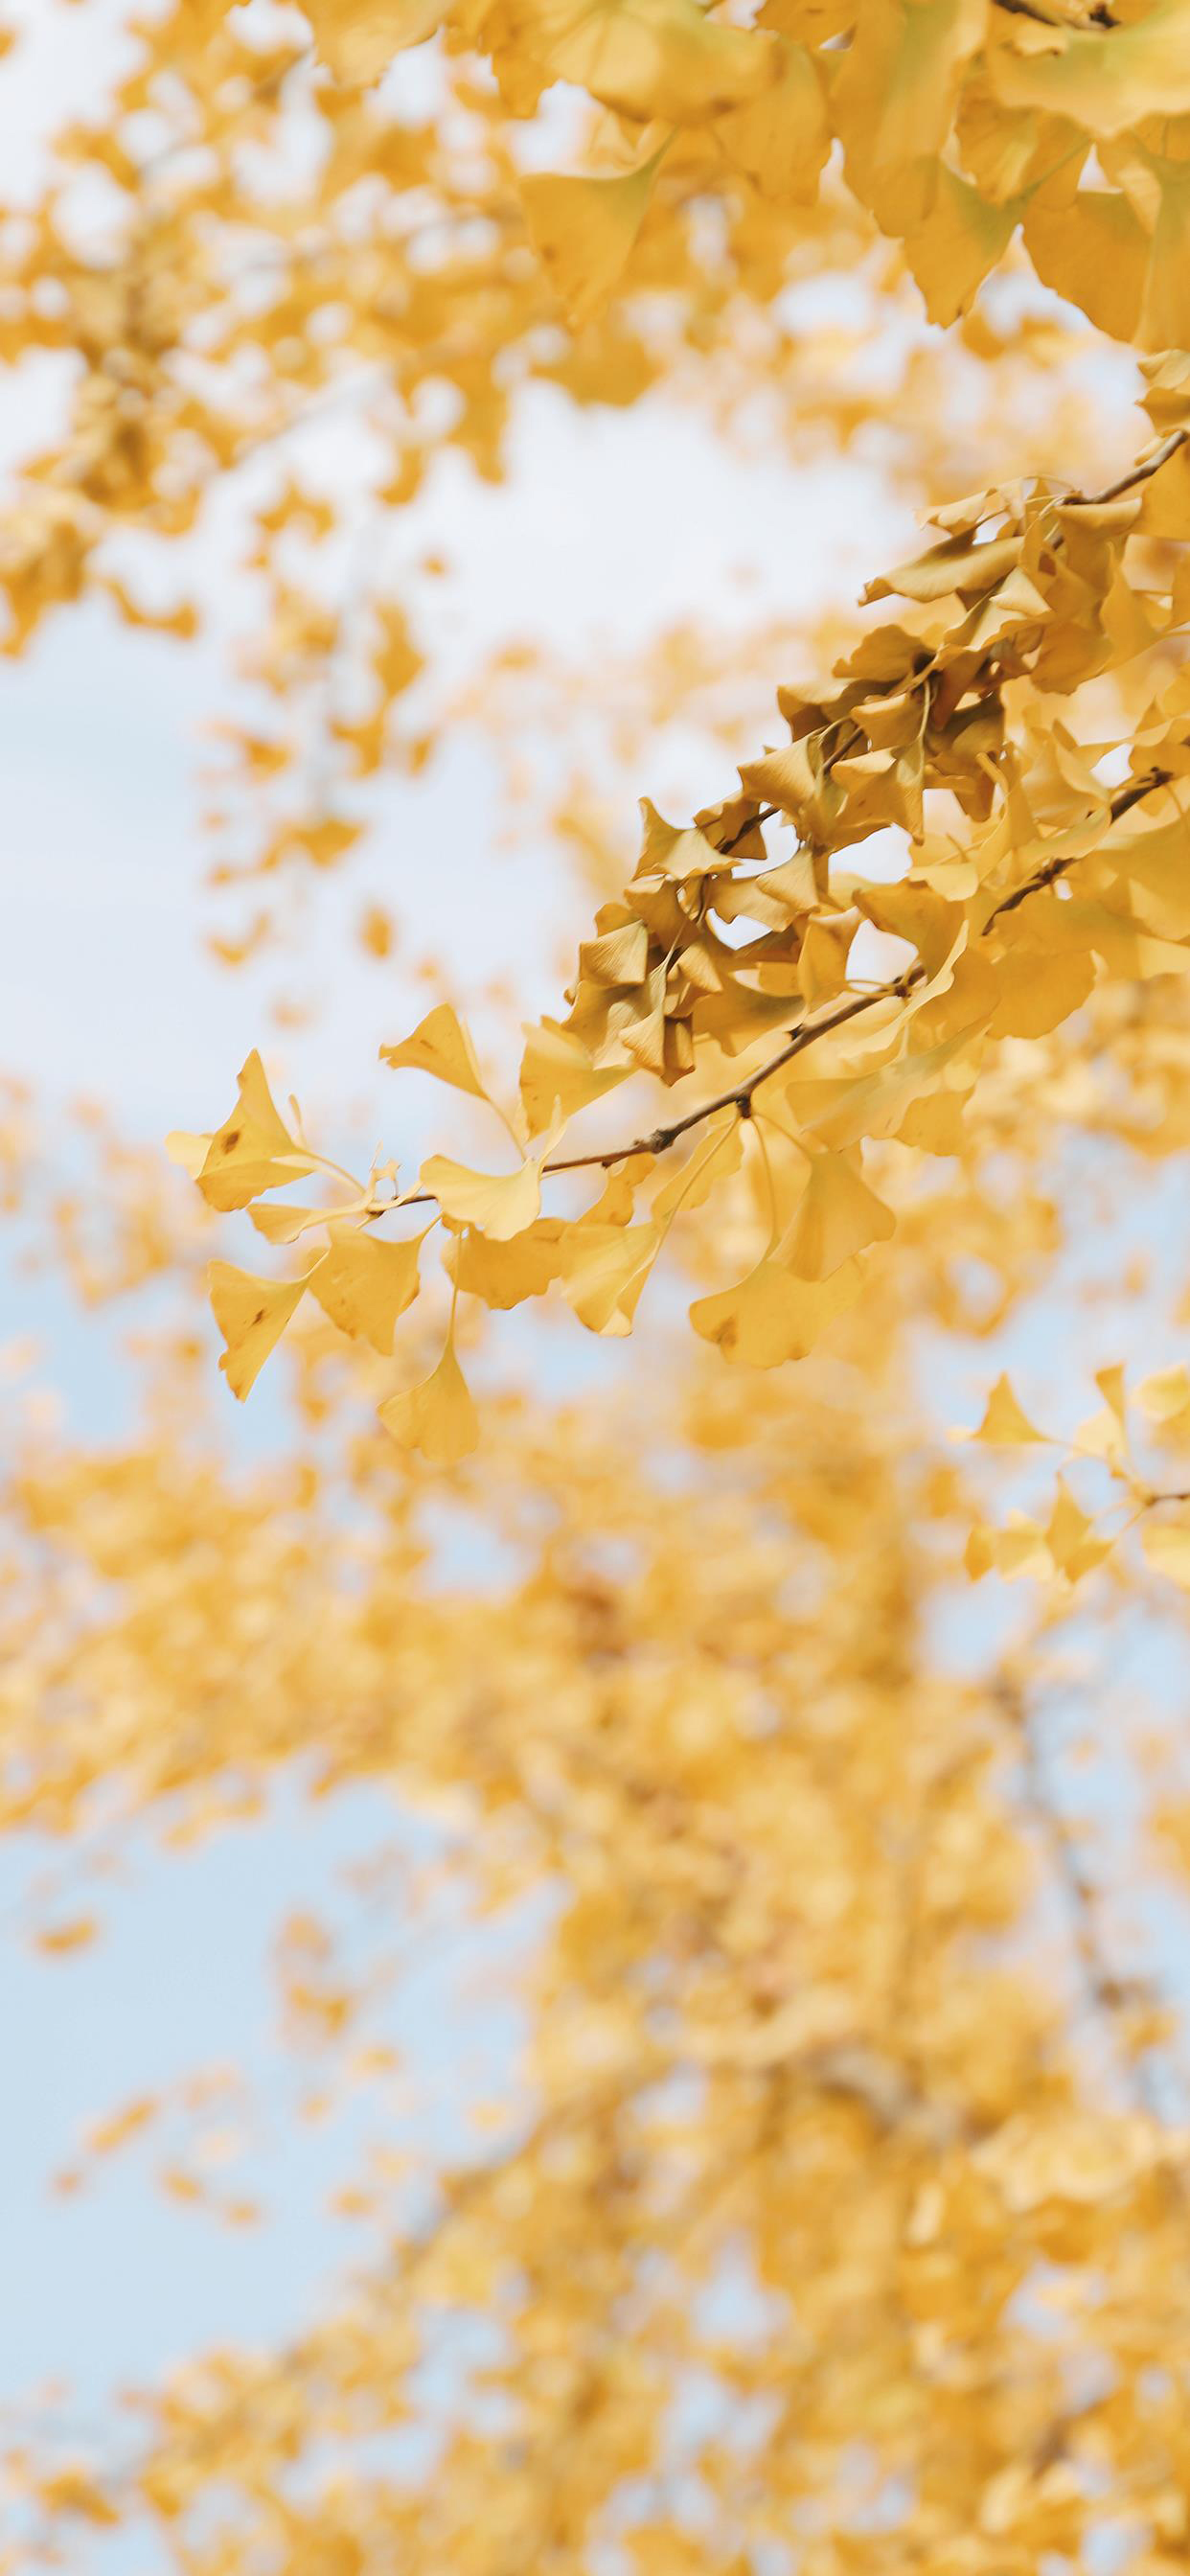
{"x":740,"y":1096}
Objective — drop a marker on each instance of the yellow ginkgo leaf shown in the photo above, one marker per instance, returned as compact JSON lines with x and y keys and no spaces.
{"x":691,"y":1185}
{"x":439,"y":1045}
{"x":770,"y":1316}
{"x":252,"y":1151}
{"x":647,"y":59}
{"x":363,"y":1284}
{"x":583,"y":230}
{"x":1038,"y":992}
{"x":1167,"y":1547}
{"x":822,"y":962}
{"x":837,"y":1216}
{"x":358,"y":39}
{"x":501,"y":1204}
{"x":251,"y":1315}
{"x":877,"y":1104}
{"x":1071,"y":1537}
{"x":558,"y":1077}
{"x":1102,"y":79}
{"x":281,"y":1222}
{"x":437,"y":1417}
{"x":604,"y":1270}
{"x":1004,"y":1424}
{"x":674,"y":849}
{"x":505,"y":1274}
{"x":782,"y":137}
{"x":1166,"y":1394}
{"x":957,"y":240}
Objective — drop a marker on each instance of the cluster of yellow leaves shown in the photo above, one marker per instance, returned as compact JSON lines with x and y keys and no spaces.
{"x":1030,"y":877}
{"x":379,"y":262}
{"x":960,"y":121}
{"x":1074,"y":1542}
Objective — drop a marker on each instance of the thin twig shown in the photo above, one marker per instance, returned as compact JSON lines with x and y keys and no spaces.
{"x":1096,"y":20}
{"x":1136,"y":473}
{"x":1055,"y":868}
{"x":740,"y":1096}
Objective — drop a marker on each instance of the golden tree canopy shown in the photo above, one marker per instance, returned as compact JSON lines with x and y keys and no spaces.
{"x":834,"y":2217}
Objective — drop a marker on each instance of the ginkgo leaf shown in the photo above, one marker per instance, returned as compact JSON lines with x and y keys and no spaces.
{"x":505,"y":1274}
{"x":283,"y":1223}
{"x":1005,"y":1424}
{"x":647,"y":59}
{"x":1104,"y":80}
{"x":1091,"y":247}
{"x":957,"y":241}
{"x":822,"y":962}
{"x":188,"y":1150}
{"x":252,"y":1151}
{"x":1167,"y":1547}
{"x":604,"y":1270}
{"x":770,"y":1316}
{"x":877,"y":1104}
{"x":691,"y":1186}
{"x":583,"y":230}
{"x":364,"y":1283}
{"x":781,"y":138}
{"x":438,"y":1417}
{"x":838,"y":1215}
{"x":959,"y":564}
{"x":1016,"y":1551}
{"x":1074,"y":1544}
{"x":1165,"y":1396}
{"x":1110,"y":1382}
{"x":439,"y":1045}
{"x":673,"y":849}
{"x":251,"y":1315}
{"x":501,"y":1204}
{"x":558,"y":1078}
{"x":1039,"y":991}
{"x":617,"y":956}
{"x":358,"y":39}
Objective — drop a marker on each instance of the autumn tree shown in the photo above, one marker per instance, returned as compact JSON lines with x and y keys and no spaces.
{"x":837,"y":2216}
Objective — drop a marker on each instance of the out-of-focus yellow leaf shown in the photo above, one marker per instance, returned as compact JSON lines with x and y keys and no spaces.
{"x":438,"y":1417}
{"x":583,"y":230}
{"x":837,"y":1216}
{"x":1167,"y":1547}
{"x":1005,"y":1424}
{"x":604,"y":1270}
{"x":771,"y":1316}
{"x":665,"y":59}
{"x":358,"y":39}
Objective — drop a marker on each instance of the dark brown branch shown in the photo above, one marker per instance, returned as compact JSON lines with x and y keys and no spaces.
{"x":1096,"y":19}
